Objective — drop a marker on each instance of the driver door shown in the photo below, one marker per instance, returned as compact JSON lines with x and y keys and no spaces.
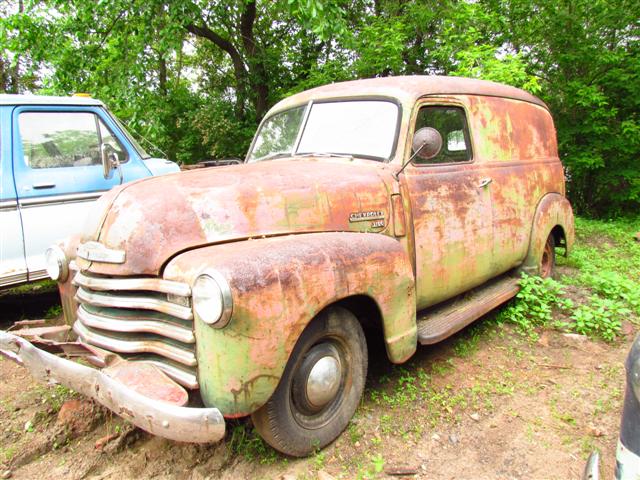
{"x":58,"y":173}
{"x":451,"y":209}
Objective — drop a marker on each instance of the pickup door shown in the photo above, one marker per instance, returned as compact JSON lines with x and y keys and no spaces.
{"x":58,"y":172}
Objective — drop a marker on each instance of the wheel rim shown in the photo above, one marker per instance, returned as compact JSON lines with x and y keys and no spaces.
{"x":319,"y":384}
{"x":546,"y":263}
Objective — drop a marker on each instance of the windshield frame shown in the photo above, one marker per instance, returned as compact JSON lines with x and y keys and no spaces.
{"x":305,"y":117}
{"x":144,"y":155}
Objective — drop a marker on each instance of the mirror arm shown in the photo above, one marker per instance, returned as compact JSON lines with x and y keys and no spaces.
{"x":119,"y":171}
{"x":396,"y":175}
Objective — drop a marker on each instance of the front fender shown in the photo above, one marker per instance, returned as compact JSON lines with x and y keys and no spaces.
{"x":279,"y":285}
{"x":553,"y":210}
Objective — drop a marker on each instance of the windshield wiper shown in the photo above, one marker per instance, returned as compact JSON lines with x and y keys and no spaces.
{"x":273,"y":155}
{"x":325,"y":154}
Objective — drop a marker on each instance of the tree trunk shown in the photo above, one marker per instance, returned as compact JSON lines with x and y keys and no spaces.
{"x":240,"y":72}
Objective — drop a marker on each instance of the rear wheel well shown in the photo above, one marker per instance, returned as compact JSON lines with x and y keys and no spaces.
{"x":560,"y":237}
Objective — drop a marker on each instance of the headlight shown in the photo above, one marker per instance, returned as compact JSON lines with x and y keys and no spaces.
{"x":56,"y":263}
{"x":212,"y":301}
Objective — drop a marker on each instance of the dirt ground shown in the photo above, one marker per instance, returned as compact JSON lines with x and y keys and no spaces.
{"x":487,"y":403}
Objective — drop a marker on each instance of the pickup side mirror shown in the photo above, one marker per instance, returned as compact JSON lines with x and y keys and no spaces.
{"x":110,"y":161}
{"x":427,"y":143}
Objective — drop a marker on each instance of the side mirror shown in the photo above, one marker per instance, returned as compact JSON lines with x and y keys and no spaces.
{"x":110,"y":161}
{"x":427,"y":143}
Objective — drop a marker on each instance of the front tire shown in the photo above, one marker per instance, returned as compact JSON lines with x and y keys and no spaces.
{"x":321,"y":386}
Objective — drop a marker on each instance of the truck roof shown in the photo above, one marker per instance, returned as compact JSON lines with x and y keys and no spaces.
{"x":408,"y":89}
{"x":11,"y":99}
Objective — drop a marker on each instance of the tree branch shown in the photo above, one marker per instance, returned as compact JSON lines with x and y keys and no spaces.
{"x":239,"y":68}
{"x":219,"y":41}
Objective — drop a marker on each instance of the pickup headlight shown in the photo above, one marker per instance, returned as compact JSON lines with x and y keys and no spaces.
{"x":56,"y":263}
{"x":212,"y":302}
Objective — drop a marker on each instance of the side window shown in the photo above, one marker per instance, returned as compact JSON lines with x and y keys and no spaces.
{"x":452,"y":125}
{"x":59,"y":139}
{"x":64,"y":139}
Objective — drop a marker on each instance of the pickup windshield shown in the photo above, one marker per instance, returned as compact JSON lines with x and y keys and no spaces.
{"x":358,"y":128}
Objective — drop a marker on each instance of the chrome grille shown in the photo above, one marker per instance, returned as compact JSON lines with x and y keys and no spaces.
{"x":141,"y":319}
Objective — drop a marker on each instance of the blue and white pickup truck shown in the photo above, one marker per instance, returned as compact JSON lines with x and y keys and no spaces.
{"x":57,"y":156}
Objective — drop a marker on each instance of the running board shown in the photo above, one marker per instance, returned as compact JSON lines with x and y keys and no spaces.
{"x":434,"y":325}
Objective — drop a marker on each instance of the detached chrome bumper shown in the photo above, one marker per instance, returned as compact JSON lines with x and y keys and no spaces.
{"x":184,"y":424}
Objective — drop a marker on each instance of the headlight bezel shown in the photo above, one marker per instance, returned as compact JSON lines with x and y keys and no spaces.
{"x":218,"y":281}
{"x":55,"y":254}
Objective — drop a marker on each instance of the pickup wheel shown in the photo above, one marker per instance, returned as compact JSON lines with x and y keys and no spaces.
{"x":320,"y":388}
{"x":548,"y":259}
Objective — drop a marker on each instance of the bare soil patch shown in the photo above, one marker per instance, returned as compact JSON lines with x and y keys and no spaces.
{"x":488,"y":403}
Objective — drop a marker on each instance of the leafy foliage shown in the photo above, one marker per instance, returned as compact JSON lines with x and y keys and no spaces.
{"x":608,"y":277}
{"x":196,"y":77}
{"x":535,"y":302}
{"x":601,"y":317}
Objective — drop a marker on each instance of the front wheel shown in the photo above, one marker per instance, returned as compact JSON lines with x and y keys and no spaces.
{"x":321,"y":386}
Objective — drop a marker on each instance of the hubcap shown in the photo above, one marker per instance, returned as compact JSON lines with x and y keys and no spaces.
{"x":323,"y":381}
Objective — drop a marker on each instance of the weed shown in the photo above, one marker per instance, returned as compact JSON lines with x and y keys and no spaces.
{"x":601,"y":317}
{"x":8,"y":453}
{"x":468,"y":345}
{"x":535,"y":303}
{"x":355,"y":434}
{"x":53,"y":397}
{"x":319,"y":459}
{"x":53,"y":312}
{"x":245,"y":442}
{"x":587,"y":445}
{"x":614,"y":286}
{"x":377,"y":462}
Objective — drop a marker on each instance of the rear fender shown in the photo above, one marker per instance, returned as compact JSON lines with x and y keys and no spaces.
{"x":278,"y":286}
{"x":552,"y":211}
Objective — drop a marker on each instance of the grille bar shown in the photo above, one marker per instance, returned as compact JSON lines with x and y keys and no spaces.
{"x":153,"y":284}
{"x":132,"y":324}
{"x":141,"y":319}
{"x":126,"y":301}
{"x":183,"y":377}
{"x":120,"y":345}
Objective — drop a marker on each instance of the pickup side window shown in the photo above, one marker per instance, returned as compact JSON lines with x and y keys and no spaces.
{"x":452,"y":125}
{"x":64,"y":139}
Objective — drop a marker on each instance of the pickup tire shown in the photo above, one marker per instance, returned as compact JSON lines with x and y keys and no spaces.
{"x":548,"y":258}
{"x":321,"y":386}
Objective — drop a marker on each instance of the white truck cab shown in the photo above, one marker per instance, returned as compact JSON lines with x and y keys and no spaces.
{"x":52,"y":168}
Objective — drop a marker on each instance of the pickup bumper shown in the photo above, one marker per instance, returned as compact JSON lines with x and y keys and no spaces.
{"x":184,"y":424}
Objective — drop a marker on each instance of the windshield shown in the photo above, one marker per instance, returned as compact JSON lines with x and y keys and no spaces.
{"x":359,"y":128}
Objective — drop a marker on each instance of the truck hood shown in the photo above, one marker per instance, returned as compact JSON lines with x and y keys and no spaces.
{"x":154,"y":219}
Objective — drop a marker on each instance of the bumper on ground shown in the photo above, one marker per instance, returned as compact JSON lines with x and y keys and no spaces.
{"x":185,"y":424}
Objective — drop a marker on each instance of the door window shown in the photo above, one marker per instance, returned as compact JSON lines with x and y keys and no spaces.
{"x":452,"y":125}
{"x":64,"y":139}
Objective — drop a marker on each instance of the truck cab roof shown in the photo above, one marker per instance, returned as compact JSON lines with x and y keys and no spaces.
{"x":407,"y":89}
{"x":12,"y":99}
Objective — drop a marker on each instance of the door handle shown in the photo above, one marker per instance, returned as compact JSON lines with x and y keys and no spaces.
{"x":43,"y":185}
{"x":484,"y":182}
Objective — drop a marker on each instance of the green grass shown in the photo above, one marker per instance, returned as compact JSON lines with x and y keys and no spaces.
{"x":605,"y":267}
{"x":245,"y":441}
{"x":33,"y":287}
